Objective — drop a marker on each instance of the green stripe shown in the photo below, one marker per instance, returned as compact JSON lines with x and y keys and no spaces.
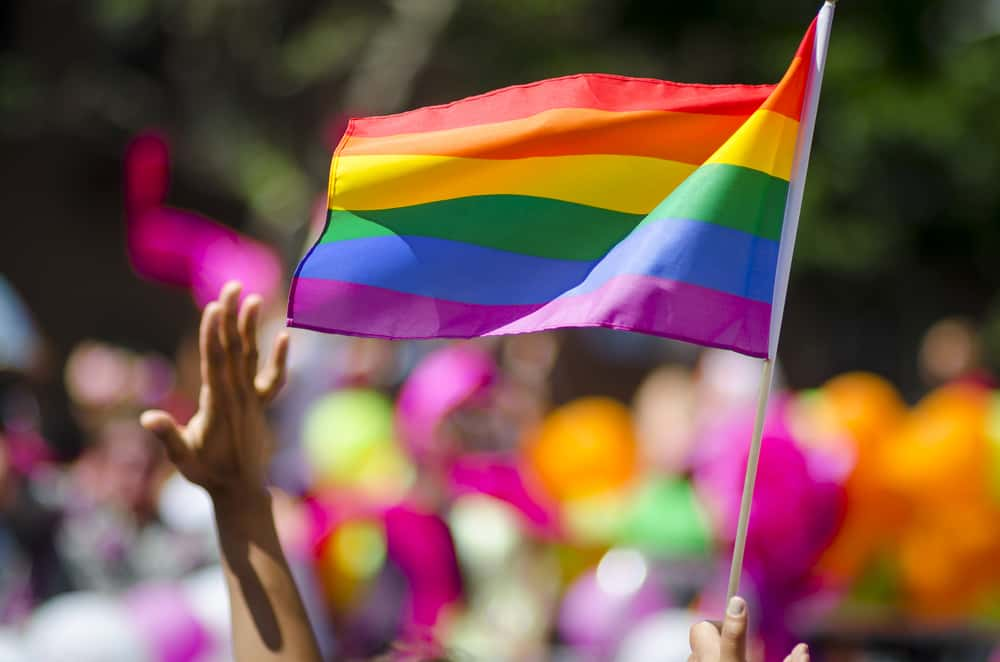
{"x":740,"y":198}
{"x":732,"y":196}
{"x":515,"y":223}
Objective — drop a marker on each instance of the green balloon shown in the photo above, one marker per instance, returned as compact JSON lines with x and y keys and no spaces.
{"x":666,"y":520}
{"x":341,"y":429}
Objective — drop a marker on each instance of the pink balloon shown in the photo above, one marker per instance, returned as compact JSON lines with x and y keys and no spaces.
{"x":441,"y":383}
{"x":162,"y":615}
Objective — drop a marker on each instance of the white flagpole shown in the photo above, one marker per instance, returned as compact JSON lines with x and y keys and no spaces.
{"x":789,"y":228}
{"x":800,"y":166}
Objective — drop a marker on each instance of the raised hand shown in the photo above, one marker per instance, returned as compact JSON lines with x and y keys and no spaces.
{"x":225,"y":448}
{"x":226,"y":445}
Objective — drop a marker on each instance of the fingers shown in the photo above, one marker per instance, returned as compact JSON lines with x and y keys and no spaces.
{"x":269,"y":382}
{"x":210,"y":345}
{"x":232,"y":343}
{"x":229,"y":299}
{"x":229,"y":347}
{"x":799,"y":654}
{"x":248,"y":335}
{"x":704,"y":638}
{"x":165,"y":428}
{"x":733,"y":644}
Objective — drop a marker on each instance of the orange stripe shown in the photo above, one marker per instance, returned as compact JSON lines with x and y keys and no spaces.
{"x":788,"y":95}
{"x":676,"y":136}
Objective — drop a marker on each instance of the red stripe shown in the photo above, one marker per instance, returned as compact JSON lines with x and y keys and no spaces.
{"x":598,"y":91}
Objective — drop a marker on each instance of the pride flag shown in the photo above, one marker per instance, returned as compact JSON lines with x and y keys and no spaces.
{"x":587,"y":200}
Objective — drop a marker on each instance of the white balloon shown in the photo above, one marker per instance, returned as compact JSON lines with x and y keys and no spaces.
{"x":206,"y":592}
{"x":11,"y":647}
{"x":186,"y":507}
{"x":84,"y":627}
{"x":662,"y":637}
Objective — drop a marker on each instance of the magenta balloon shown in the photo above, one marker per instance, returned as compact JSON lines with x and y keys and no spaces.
{"x":795,"y":499}
{"x":160,"y":243}
{"x":162,"y":615}
{"x":798,"y":505}
{"x":184,"y":248}
{"x":441,"y":383}
{"x":420,"y":544}
{"x":499,"y":477}
{"x":227,"y":256}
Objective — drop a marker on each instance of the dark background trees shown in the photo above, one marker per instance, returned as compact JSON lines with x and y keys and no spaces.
{"x":901,"y":224}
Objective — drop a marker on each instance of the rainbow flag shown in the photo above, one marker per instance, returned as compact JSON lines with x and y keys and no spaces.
{"x":587,"y":200}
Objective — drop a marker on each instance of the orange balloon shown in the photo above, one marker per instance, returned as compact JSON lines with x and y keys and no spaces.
{"x":941,"y":450}
{"x":585,"y":448}
{"x":864,"y":405}
{"x":947,"y":557}
{"x":865,"y":410}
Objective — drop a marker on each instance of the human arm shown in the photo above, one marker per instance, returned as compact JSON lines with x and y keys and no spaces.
{"x":225,"y":448}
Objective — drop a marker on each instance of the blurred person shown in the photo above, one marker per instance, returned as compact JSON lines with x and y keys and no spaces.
{"x":105,"y":381}
{"x":951,"y":351}
{"x":665,"y":408}
{"x":114,"y":495}
{"x":526,"y":392}
{"x":110,"y":534}
{"x":31,"y":569}
{"x":725,"y":382}
{"x":21,"y":346}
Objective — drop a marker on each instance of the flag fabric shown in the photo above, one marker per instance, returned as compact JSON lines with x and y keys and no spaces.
{"x":588,"y":200}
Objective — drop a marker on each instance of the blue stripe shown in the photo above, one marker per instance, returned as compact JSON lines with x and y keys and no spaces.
{"x":695,"y":252}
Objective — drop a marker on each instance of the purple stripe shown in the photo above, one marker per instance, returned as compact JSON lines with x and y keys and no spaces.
{"x":634,"y":303}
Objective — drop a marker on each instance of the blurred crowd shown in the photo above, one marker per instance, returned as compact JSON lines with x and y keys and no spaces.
{"x":437,"y":504}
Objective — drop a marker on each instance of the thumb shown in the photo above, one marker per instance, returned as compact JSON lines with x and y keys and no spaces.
{"x":272,"y":379}
{"x":733,"y":645}
{"x":162,"y":424}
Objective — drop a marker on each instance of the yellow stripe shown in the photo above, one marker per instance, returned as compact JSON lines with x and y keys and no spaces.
{"x":631,"y":184}
{"x":765,"y":142}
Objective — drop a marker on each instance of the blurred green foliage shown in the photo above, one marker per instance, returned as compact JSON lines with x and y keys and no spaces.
{"x":902,"y":213}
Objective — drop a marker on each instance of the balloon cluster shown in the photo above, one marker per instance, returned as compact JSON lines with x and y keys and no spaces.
{"x":606,"y":525}
{"x":920,"y":530}
{"x":590,"y":514}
